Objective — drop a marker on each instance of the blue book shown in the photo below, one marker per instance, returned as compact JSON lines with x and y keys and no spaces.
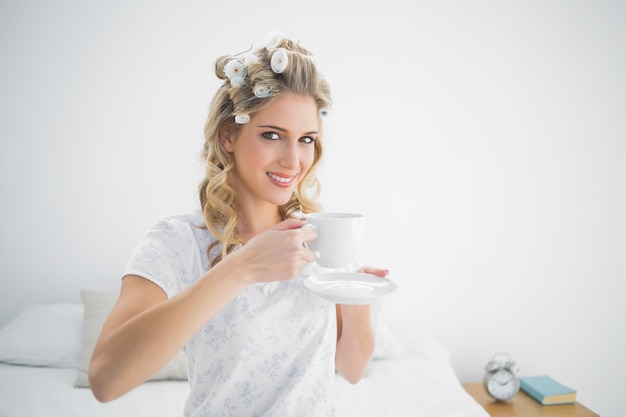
{"x":546,"y":390}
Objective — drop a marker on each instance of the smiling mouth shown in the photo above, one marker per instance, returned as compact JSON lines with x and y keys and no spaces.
{"x":281,"y":180}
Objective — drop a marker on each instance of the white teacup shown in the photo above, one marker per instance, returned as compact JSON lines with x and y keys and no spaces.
{"x":339,"y":237}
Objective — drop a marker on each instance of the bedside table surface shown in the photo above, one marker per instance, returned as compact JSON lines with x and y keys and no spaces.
{"x":523,"y":405}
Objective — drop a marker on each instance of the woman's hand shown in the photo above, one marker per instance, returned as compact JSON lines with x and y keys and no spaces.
{"x":278,"y":253}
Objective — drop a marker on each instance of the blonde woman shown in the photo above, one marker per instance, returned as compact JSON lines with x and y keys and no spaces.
{"x":225,"y":282}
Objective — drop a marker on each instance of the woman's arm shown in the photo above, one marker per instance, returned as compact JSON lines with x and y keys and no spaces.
{"x":145,"y":329}
{"x":355,"y":337}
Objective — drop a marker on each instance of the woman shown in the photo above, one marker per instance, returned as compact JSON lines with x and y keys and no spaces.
{"x":225,"y":283}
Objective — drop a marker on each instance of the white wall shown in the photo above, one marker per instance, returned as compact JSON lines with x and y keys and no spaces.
{"x":484,"y":140}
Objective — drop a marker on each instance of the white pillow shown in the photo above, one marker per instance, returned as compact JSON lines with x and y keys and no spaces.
{"x":97,"y":307}
{"x":44,"y":335}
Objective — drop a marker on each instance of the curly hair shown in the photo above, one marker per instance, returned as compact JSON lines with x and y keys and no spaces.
{"x":218,"y":199}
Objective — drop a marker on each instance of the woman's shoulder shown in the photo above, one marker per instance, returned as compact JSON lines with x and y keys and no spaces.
{"x":171,"y":254}
{"x":193,"y":218}
{"x":179,"y":225}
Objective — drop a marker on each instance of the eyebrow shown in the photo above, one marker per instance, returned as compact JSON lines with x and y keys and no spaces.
{"x":280,"y":129}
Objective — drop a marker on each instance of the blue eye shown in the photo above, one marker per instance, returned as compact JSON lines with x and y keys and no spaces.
{"x":307,"y":139}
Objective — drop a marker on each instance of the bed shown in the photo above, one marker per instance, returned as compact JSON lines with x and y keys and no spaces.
{"x":45,"y":350}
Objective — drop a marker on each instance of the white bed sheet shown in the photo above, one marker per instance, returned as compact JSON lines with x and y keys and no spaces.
{"x":418,"y":382}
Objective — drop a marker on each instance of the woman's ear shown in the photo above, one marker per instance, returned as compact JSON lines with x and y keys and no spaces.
{"x":227,"y":137}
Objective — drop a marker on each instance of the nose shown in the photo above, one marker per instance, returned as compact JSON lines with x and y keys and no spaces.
{"x":290,"y":157}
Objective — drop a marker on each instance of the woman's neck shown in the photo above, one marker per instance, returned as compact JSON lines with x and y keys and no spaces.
{"x":256,"y":220}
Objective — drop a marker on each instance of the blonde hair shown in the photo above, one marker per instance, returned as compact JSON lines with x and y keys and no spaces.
{"x":217,"y":197}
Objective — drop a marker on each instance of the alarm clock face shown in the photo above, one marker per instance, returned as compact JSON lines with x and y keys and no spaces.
{"x":502,"y":385}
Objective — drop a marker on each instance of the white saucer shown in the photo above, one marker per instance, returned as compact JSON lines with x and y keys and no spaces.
{"x":350,"y":287}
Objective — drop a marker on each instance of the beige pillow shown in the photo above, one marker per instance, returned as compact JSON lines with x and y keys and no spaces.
{"x":97,"y":306}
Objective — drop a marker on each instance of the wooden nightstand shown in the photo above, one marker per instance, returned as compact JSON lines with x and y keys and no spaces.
{"x":523,"y":406}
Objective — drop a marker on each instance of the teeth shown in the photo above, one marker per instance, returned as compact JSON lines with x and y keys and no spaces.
{"x":279,"y":179}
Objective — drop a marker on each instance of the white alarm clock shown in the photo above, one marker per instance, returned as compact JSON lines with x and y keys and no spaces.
{"x":501,"y":380}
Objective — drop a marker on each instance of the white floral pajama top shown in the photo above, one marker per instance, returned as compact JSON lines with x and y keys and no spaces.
{"x":270,"y":352}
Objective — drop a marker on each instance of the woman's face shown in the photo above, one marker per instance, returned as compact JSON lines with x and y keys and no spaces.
{"x":274,"y":150}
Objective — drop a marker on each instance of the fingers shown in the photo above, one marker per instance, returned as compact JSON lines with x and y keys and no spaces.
{"x":306,"y":234}
{"x":307,"y":231}
{"x":379,"y":272}
{"x":290,"y":224}
{"x":308,"y":255}
{"x":295,"y":233}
